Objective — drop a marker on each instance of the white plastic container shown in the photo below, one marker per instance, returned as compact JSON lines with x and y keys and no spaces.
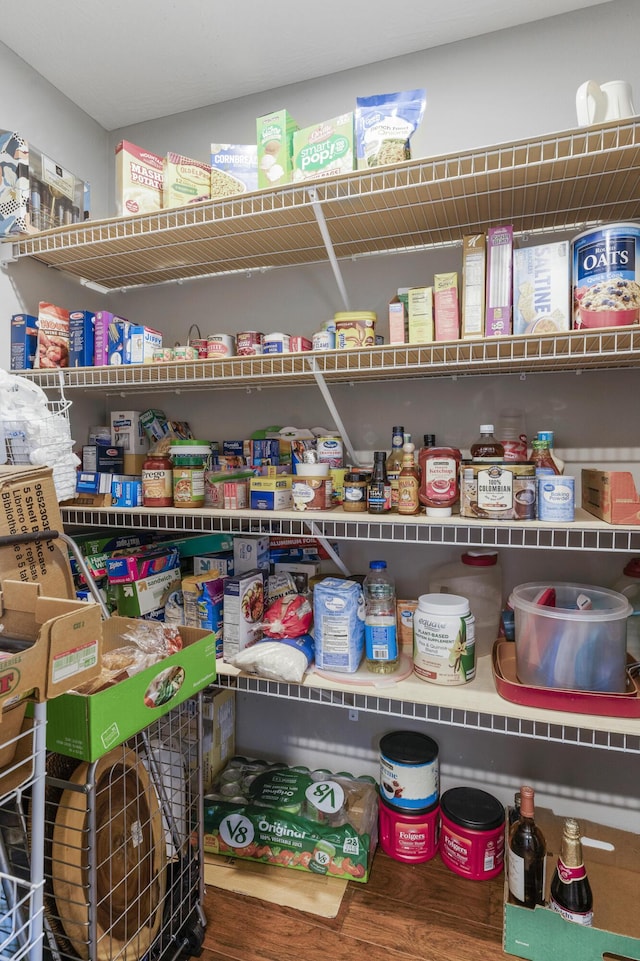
{"x":570,"y":636}
{"x":629,"y":585}
{"x":444,"y":649}
{"x":478,"y":577}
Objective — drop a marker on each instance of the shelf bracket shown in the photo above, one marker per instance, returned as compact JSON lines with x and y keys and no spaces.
{"x":333,"y":410}
{"x":337,"y":560}
{"x":324,"y":230}
{"x":7,"y":254}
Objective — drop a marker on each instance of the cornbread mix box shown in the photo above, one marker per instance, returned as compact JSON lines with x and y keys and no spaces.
{"x":316,"y":822}
{"x":612,"y":495}
{"x":612,"y":860}
{"x":234,"y":169}
{"x":47,"y":644}
{"x":87,"y":725}
{"x":30,"y":504}
{"x":541,"y":289}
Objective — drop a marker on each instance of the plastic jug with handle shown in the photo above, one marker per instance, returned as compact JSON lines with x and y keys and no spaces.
{"x":598,"y":103}
{"x":477,"y":575}
{"x":629,"y":585}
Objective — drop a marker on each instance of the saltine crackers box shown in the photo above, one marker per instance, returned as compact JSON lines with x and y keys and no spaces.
{"x":541,"y":289}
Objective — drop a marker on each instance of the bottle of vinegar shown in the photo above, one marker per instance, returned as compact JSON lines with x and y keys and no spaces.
{"x":379,"y":488}
{"x":570,"y":889}
{"x":526,"y":856}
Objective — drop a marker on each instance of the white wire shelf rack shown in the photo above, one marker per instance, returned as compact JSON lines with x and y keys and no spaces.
{"x":475,"y":706}
{"x":557,"y":182}
{"x":586,"y":533}
{"x":571,"y":351}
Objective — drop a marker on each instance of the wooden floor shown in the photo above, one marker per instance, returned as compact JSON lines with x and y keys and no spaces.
{"x":404,"y":912}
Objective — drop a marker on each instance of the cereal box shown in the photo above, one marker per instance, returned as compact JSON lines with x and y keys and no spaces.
{"x":185,"y":181}
{"x":324,"y":149}
{"x":420,"y":302}
{"x":445,"y":306}
{"x":234,"y":169}
{"x":541,"y":284}
{"x":275,"y":148}
{"x":474,"y":256}
{"x":53,"y":336}
{"x":138,"y":180}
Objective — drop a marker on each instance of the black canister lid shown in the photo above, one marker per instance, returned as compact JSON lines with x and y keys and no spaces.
{"x":408,"y":747}
{"x":471,"y":808}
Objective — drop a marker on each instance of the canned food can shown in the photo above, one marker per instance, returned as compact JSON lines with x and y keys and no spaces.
{"x":276,"y":343}
{"x":199,"y":344}
{"x":556,"y":498}
{"x":185,"y":353}
{"x":220,"y":345}
{"x":163,"y":355}
{"x":444,"y":650}
{"x":409,"y":771}
{"x":330,"y":450}
{"x":324,"y":340}
{"x":606,"y":276}
{"x":249,"y":342}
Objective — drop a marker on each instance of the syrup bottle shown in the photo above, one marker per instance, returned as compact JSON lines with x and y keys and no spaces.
{"x":408,"y":481}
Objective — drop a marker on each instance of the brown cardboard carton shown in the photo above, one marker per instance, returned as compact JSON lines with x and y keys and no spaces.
{"x":474,"y":263}
{"x":611,"y":495}
{"x":29,"y":503}
{"x":62,"y":642}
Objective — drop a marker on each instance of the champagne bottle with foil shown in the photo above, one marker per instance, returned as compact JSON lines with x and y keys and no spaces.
{"x":570,"y":889}
{"x":527,"y":855}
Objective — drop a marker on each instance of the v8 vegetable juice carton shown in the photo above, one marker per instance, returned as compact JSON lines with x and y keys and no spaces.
{"x":307,"y":821}
{"x":275,"y":148}
{"x":324,"y":150}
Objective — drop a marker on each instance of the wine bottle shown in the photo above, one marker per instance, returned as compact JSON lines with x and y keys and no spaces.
{"x":527,"y":855}
{"x":570,"y":889}
{"x":514,"y":810}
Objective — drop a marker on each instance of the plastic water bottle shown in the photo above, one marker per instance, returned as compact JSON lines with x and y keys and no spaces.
{"x":478,"y":577}
{"x":629,"y":585}
{"x":380,"y":628}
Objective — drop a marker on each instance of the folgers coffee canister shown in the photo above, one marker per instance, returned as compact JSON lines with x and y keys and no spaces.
{"x":606,"y":276}
{"x":472,"y":833}
{"x":408,"y":837}
{"x":409,"y":771}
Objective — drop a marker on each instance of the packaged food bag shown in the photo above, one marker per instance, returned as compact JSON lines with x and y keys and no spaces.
{"x":338,"y":625}
{"x":385,"y":124}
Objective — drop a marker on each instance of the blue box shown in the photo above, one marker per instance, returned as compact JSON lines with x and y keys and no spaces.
{"x":126,"y":493}
{"x":24,"y":340}
{"x":81,"y":338}
{"x":101,"y":332}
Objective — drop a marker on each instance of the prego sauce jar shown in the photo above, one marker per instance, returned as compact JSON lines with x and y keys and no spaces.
{"x":157,"y":481}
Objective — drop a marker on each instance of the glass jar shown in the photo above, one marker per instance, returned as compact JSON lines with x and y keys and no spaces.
{"x":157,"y":481}
{"x":354,"y":497}
{"x":189,"y":458}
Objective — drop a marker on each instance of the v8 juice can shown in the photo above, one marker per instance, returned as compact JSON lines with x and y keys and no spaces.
{"x":606,"y":276}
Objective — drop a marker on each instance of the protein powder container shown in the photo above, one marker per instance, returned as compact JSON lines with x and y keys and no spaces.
{"x":409,"y":771}
{"x":472,"y":833}
{"x":444,"y":650}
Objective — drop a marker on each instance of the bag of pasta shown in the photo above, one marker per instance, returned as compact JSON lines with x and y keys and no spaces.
{"x":385,"y":124}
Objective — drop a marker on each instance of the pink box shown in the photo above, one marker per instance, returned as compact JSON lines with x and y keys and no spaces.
{"x":139,"y":563}
{"x":445,"y":306}
{"x":499,"y":281}
{"x":299,"y":343}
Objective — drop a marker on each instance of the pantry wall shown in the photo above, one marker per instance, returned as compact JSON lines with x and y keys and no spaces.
{"x":480,"y":92}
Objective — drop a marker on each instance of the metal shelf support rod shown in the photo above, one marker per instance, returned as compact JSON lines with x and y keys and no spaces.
{"x":333,"y":410}
{"x":324,"y":230}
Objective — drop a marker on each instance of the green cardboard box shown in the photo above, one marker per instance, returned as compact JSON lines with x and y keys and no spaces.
{"x":86,"y":726}
{"x":195,"y":544}
{"x":613,"y":869}
{"x":148,"y":594}
{"x":275,"y":148}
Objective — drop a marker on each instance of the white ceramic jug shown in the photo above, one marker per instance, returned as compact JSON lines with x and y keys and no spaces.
{"x":597,"y":103}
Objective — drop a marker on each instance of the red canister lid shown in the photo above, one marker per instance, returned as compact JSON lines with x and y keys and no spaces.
{"x":632,"y":569}
{"x":480,"y":558}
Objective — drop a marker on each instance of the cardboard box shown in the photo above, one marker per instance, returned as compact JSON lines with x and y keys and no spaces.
{"x":244,"y":602}
{"x":611,"y":495}
{"x":203,"y":596}
{"x":185,"y":181}
{"x":219,"y":719}
{"x":541,"y":289}
{"x":29,"y":503}
{"x":446,"y":312}
{"x":474,"y":263}
{"x":271,"y":493}
{"x":126,"y":493}
{"x":221,"y":563}
{"x":52,"y":348}
{"x":399,"y":317}
{"x":24,"y":341}
{"x":127,"y":431}
{"x":81,"y":338}
{"x":138,"y":180}
{"x":499,"y":281}
{"x":142,"y":343}
{"x":420,"y":305}
{"x":103,"y":459}
{"x":103,"y":320}
{"x":234,"y":169}
{"x":249,"y":551}
{"x":614,"y":875}
{"x":324,"y":149}
{"x":146,"y":595}
{"x":301,"y":573}
{"x":64,"y":637}
{"x":275,"y":148}
{"x":325,"y":827}
{"x":118,"y":337}
{"x":86,"y":726}
{"x":202,"y":544}
{"x":134,"y":563}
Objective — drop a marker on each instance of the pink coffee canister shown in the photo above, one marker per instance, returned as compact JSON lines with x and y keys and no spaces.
{"x":408,"y":837}
{"x":472,"y":833}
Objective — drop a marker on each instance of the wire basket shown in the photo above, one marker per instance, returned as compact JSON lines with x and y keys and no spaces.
{"x":36,"y":430}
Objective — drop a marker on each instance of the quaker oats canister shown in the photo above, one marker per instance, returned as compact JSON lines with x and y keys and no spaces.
{"x":606,"y":276}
